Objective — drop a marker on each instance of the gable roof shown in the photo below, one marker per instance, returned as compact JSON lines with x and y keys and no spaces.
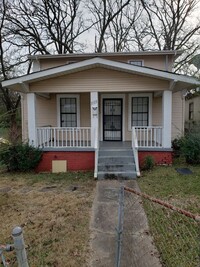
{"x":175,"y":53}
{"x":178,"y":82}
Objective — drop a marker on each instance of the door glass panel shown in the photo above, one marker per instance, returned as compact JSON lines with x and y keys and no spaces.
{"x":112,"y":119}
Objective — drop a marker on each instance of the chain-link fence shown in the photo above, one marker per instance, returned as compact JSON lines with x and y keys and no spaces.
{"x":152,"y":233}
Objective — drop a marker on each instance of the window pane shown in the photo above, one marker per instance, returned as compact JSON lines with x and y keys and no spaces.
{"x":68,"y":109}
{"x":140,"y":111}
{"x":136,"y":62}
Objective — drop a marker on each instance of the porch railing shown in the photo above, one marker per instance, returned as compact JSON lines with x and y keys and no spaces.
{"x":149,"y":137}
{"x":61,"y":137}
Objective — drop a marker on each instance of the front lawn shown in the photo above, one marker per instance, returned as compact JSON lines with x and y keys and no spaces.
{"x":176,"y":236}
{"x":166,"y":183}
{"x":54,"y":211}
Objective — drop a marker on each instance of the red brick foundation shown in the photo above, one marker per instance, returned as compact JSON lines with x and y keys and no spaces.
{"x":160,"y":157}
{"x":76,"y":160}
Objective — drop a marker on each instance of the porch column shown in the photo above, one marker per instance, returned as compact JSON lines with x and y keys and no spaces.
{"x":167,"y":118}
{"x":31,"y":119}
{"x":94,"y":117}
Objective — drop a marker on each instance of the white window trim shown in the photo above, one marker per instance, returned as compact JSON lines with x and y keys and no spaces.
{"x":107,"y":96}
{"x":59,"y":96}
{"x":131,"y":60}
{"x":149,"y":95}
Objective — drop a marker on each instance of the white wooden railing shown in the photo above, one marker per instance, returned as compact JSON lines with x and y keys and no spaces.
{"x":149,"y":137}
{"x":135,"y":151}
{"x":60,"y":137}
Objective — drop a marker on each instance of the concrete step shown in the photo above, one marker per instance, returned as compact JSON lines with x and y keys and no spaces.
{"x":117,"y":175}
{"x":115,"y":153}
{"x":116,"y":160}
{"x":116,"y":167}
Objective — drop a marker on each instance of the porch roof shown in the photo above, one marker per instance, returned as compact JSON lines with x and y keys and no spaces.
{"x":177,"y":81}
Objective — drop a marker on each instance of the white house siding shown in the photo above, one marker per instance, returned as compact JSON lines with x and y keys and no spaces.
{"x":161,"y":62}
{"x":101,"y":80}
{"x":85,"y":110}
{"x":178,"y":108}
{"x":157,"y":111}
{"x":196,"y":115}
{"x":46,"y":111}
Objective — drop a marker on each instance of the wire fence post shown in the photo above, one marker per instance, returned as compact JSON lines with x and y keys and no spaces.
{"x":19,"y":245}
{"x":120,"y":227}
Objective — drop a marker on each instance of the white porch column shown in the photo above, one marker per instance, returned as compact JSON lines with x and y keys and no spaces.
{"x":167,"y":118}
{"x":31,"y":119}
{"x":94,"y":116}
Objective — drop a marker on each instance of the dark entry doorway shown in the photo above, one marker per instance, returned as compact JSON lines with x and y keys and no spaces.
{"x":112,"y":119}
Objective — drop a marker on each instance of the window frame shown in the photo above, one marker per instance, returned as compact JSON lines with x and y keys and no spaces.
{"x":59,"y":96}
{"x":148,"y":95}
{"x":136,"y":60}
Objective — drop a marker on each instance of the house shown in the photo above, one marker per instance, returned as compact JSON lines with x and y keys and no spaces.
{"x":192,"y":110}
{"x":103,"y":112}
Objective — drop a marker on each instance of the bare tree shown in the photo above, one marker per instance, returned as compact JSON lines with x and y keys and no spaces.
{"x":10,"y":99}
{"x":172,"y":26}
{"x":47,"y":26}
{"x":103,"y":14}
{"x":122,"y":25}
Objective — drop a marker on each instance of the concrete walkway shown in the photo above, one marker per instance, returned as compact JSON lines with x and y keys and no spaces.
{"x":103,"y":226}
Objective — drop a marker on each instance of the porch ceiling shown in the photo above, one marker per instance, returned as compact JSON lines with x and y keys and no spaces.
{"x":180,"y":82}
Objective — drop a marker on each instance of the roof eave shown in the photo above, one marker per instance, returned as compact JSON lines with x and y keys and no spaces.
{"x":22,"y":82}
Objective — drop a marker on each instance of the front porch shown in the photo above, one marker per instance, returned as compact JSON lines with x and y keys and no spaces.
{"x":100,"y":120}
{"x":81,"y":150}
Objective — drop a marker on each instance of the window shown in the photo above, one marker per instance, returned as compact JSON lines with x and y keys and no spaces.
{"x":136,"y":62}
{"x":140,"y":111}
{"x":191,"y":111}
{"x":68,"y":110}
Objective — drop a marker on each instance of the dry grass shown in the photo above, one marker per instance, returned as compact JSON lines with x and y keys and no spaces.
{"x":54,"y":218}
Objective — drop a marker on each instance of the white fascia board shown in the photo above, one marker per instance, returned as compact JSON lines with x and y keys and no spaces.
{"x":99,"y":62}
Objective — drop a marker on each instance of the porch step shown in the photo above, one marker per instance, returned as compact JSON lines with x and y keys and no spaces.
{"x":116,"y":167}
{"x":115,"y":153}
{"x":117,"y":175}
{"x":115,"y":163}
{"x":116,"y":160}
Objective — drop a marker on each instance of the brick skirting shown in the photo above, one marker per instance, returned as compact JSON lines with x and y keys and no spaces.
{"x":84,"y":160}
{"x":76,"y":160}
{"x":160,"y":157}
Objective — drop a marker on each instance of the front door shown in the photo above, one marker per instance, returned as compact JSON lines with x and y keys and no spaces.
{"x":112,"y":119}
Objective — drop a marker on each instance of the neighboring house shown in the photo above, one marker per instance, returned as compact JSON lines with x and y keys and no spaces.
{"x":192,"y":111}
{"x":95,"y":111}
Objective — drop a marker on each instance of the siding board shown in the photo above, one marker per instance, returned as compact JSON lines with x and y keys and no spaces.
{"x":99,"y":79}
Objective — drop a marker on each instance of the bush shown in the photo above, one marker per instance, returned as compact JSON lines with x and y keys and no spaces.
{"x":19,"y":157}
{"x":148,"y":163}
{"x":190,"y":147}
{"x":176,"y":145}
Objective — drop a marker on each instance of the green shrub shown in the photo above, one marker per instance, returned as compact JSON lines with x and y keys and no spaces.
{"x":190,"y":147}
{"x":148,"y":163}
{"x":176,"y":145}
{"x":19,"y":157}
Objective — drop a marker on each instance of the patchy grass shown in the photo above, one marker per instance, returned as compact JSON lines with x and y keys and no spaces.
{"x":176,"y":236}
{"x":54,"y":211}
{"x":166,"y":183}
